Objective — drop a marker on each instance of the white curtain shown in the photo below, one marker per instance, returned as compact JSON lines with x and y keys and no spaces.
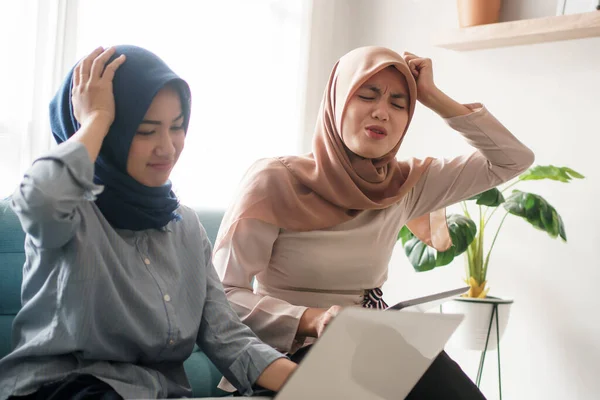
{"x":37,"y":47}
{"x":245,"y":60}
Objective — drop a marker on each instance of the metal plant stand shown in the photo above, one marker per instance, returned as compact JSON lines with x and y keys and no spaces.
{"x":483,"y":353}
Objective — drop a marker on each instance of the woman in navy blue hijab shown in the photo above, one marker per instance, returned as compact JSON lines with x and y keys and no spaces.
{"x":131,"y":199}
{"x":118,"y":283}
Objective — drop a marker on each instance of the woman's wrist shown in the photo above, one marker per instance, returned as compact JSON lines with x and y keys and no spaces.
{"x":443,"y":105}
{"x":99,"y":122}
{"x":92,"y":133}
{"x":276,"y":374}
{"x":308,"y":322}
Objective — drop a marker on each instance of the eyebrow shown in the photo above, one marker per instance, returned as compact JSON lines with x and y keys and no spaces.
{"x":152,"y":122}
{"x":378,"y":91}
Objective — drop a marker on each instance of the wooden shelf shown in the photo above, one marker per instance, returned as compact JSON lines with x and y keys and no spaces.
{"x":515,"y":33}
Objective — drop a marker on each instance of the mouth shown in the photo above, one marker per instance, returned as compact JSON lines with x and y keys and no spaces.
{"x":376,"y":132}
{"x":162,"y":166}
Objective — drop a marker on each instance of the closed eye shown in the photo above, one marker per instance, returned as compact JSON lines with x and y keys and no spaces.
{"x":177,"y":128}
{"x":366,"y":98}
{"x":398,"y":106}
{"x":145,"y":133}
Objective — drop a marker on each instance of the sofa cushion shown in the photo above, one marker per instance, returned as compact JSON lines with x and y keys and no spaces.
{"x":11,"y":271}
{"x":5,"y":333}
{"x":211,"y":221}
{"x":11,"y":232}
{"x":203,"y":375}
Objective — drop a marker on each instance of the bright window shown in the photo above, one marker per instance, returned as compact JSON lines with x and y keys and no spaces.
{"x":245,"y":62}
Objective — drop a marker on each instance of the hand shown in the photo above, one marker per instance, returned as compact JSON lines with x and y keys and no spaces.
{"x":422,"y":70}
{"x":92,"y":92}
{"x":326,"y":318}
{"x":315,"y":320}
{"x":428,"y":93}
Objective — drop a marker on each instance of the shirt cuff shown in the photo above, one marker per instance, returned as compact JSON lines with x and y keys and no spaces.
{"x":248,"y":367}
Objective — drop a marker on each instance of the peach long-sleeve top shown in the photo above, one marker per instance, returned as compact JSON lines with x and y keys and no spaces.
{"x":321,"y":268}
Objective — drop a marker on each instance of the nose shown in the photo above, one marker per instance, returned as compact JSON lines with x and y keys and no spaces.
{"x":165,"y":147}
{"x":380,"y":111}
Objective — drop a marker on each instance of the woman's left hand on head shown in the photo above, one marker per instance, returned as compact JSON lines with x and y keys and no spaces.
{"x":92,"y":90}
{"x":422,"y":70}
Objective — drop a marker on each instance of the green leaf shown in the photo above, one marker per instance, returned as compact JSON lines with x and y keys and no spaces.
{"x":490,"y":198}
{"x":561,"y":174}
{"x":537,"y":211}
{"x":445,"y":257}
{"x":405,"y":235}
{"x":462,"y":231}
{"x":573,"y":173}
{"x":421,"y":256}
{"x":424,"y":258}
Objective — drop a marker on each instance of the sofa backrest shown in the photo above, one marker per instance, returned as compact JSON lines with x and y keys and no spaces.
{"x":12,"y":258}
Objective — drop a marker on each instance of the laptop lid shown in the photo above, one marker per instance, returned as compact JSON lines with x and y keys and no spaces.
{"x":368,"y":354}
{"x":428,"y":302}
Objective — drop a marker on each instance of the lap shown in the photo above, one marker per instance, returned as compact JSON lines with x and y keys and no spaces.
{"x":445,"y":379}
{"x":75,"y":387}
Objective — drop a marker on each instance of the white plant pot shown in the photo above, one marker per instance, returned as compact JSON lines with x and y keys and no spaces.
{"x":473,"y":331}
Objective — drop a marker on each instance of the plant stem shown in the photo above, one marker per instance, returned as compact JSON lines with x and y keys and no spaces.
{"x":502,"y":191}
{"x":491,"y":215}
{"x":471,"y":249}
{"x":509,"y":186}
{"x":465,"y":209}
{"x":480,"y":248}
{"x":487,"y":258}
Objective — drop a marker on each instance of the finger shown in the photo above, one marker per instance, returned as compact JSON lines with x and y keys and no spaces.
{"x":327,"y":320}
{"x":413,"y":68}
{"x":86,"y":64}
{"x":409,"y":56}
{"x":109,"y":71}
{"x":100,"y":62}
{"x":76,"y":76}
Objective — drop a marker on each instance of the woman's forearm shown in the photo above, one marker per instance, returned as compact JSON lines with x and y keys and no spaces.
{"x":276,"y":374}
{"x":444,"y":105}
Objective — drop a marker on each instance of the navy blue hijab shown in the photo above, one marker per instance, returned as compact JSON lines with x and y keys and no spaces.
{"x":126,"y":203}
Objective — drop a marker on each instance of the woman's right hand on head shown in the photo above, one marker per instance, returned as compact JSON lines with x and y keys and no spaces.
{"x":314,"y":321}
{"x":92,"y":91}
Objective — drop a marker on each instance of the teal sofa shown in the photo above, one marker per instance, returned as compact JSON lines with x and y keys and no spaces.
{"x":202,"y":374}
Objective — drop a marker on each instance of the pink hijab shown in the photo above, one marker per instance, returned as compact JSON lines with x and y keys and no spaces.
{"x":332,"y":185}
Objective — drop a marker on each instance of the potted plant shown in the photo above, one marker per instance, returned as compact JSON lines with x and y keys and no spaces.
{"x":468,"y":231}
{"x":478,"y":12}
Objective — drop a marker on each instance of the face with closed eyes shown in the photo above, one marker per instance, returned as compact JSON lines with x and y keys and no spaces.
{"x":377,"y":114}
{"x":158,"y":141}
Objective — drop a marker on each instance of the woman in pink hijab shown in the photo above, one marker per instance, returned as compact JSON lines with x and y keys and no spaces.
{"x":315,"y":233}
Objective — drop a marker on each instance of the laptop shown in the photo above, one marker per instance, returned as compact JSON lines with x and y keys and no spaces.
{"x":365,"y":354}
{"x":373,"y":354}
{"x":425,"y":303}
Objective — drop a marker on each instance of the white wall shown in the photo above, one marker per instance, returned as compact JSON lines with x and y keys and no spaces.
{"x":548,"y":95}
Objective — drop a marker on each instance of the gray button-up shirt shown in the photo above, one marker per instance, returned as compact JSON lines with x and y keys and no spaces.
{"x":124,"y":306}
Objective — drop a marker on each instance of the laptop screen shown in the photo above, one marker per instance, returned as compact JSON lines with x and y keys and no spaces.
{"x":427,"y":302}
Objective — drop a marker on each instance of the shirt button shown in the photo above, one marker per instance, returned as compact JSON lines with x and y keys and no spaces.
{"x":167,"y":297}
{"x":147,"y":261}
